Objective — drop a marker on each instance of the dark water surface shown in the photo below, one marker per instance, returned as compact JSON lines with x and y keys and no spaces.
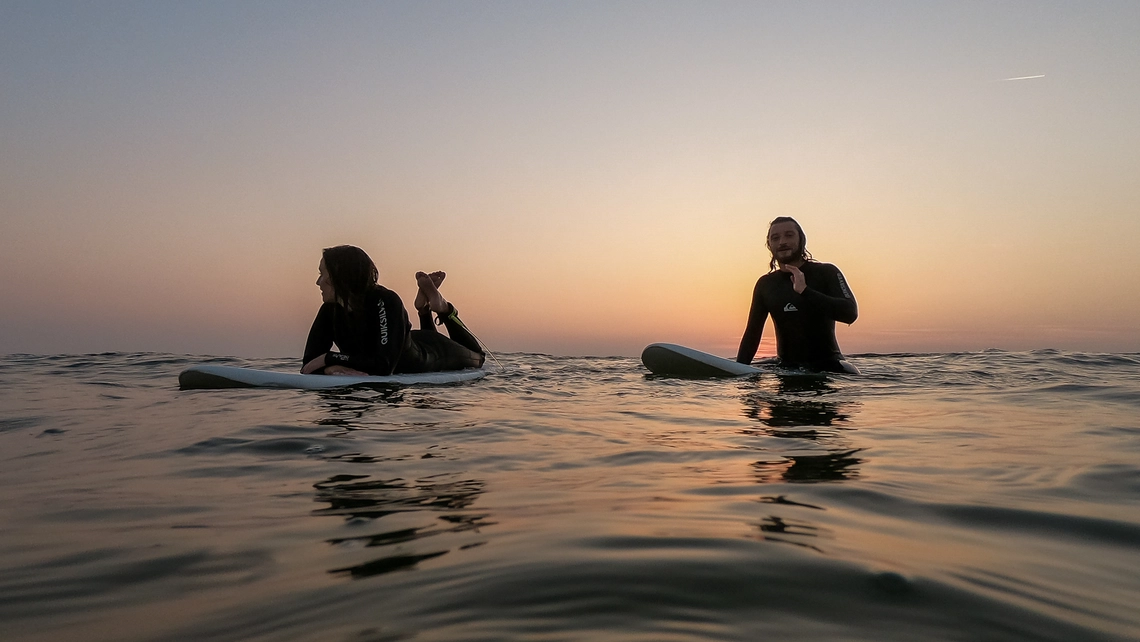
{"x":981,"y":496}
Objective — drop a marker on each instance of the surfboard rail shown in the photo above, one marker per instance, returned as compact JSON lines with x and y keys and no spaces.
{"x":670,"y":359}
{"x":210,"y":377}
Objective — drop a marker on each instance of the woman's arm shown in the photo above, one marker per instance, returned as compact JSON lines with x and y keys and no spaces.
{"x":320,"y":340}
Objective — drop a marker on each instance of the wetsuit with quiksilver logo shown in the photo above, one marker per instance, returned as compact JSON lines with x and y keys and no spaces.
{"x":378,"y":338}
{"x":805,"y":322}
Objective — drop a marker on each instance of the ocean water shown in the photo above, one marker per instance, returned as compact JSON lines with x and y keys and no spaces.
{"x":978,"y":496}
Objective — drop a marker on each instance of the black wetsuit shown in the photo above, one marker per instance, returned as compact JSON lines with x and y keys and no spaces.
{"x":378,"y":338}
{"x":805,"y":323}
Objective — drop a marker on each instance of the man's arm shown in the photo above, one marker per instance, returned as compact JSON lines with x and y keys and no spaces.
{"x":757,"y":315}
{"x":835,"y":300}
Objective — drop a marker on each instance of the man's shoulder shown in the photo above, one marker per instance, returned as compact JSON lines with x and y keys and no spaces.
{"x":819,"y":266}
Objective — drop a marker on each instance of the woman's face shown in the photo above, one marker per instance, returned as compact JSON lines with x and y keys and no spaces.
{"x":328,"y":294}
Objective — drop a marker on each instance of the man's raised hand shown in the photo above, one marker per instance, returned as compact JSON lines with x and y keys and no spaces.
{"x":798,"y":281}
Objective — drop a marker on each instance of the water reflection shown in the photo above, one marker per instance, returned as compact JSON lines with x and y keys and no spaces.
{"x":385,"y":565}
{"x":355,"y":496}
{"x":780,"y":499}
{"x":802,"y":409}
{"x":808,"y":468}
{"x":795,"y":404}
{"x":444,"y":505}
{"x":433,"y":508}
{"x":352,"y":408}
{"x":808,"y":417}
{"x":778,"y":529}
{"x":346,"y":408}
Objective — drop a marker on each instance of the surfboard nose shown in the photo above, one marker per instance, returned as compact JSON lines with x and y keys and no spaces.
{"x":670,"y":359}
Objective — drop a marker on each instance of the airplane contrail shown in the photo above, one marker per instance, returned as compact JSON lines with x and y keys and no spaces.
{"x":1025,"y":77}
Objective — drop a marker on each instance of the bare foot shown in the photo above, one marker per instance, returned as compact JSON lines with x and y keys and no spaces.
{"x":430,"y":292}
{"x":421,"y":301}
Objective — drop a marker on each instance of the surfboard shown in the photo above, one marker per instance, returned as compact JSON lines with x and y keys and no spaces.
{"x":673,"y":360}
{"x":679,"y":361}
{"x":208,"y":377}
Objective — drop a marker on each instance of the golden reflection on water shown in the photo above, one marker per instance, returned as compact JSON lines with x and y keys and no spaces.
{"x":261,"y":500}
{"x":806,"y":423}
{"x":798,"y":409}
{"x":412,"y":510}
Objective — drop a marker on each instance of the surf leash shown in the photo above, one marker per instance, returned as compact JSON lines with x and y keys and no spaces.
{"x":454,"y":316}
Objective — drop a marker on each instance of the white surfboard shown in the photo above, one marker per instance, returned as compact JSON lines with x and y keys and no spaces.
{"x":202,"y":377}
{"x":679,"y":361}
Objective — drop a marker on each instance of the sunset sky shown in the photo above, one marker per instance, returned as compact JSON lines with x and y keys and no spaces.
{"x":593,"y":176}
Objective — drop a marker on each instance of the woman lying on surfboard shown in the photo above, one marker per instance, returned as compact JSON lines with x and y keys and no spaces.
{"x":370,"y":326}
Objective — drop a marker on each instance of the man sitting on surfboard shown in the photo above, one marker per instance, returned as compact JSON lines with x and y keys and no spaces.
{"x":805,"y":298}
{"x":370,"y":327}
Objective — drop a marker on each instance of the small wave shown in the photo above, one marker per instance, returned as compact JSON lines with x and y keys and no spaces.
{"x":278,"y":446}
{"x":111,"y":576}
{"x":9,"y":424}
{"x":972,"y":517}
{"x":1113,"y":480}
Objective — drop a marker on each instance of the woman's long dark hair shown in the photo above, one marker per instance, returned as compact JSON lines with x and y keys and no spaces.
{"x":352,"y":273}
{"x":804,"y":254}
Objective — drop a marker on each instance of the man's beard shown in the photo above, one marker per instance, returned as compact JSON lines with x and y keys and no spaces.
{"x":787,"y":256}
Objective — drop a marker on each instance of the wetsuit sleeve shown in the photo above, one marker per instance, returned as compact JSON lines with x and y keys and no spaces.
{"x":320,"y":335}
{"x":388,"y":331}
{"x":757,"y":315}
{"x":835,"y":301}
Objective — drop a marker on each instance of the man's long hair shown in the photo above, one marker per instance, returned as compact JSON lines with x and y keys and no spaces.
{"x":352,"y":273}
{"x":804,"y":254}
